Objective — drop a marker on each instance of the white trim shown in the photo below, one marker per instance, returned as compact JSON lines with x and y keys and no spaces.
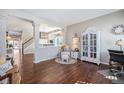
{"x":104,"y":63}
{"x":29,"y":53}
{"x":38,"y":61}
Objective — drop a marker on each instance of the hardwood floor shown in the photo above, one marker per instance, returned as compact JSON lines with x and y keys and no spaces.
{"x":50,"y":72}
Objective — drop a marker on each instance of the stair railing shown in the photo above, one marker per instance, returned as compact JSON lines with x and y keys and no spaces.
{"x":26,"y":42}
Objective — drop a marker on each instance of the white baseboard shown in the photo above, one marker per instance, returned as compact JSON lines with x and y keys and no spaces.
{"x":29,"y":52}
{"x":104,"y":63}
{"x":38,"y":61}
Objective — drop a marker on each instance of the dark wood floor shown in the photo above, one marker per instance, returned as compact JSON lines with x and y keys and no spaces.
{"x":50,"y":72}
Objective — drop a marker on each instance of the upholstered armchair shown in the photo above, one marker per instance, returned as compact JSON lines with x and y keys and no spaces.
{"x":13,"y":75}
{"x":65,"y":56}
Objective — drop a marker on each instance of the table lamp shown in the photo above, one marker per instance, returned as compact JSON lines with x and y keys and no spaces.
{"x":63,"y":46}
{"x":119,"y":43}
{"x":75,"y":42}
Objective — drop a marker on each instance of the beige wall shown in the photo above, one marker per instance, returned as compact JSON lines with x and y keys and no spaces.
{"x":103,"y":24}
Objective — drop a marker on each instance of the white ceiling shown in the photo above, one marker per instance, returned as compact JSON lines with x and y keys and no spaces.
{"x":15,"y":24}
{"x":67,"y":17}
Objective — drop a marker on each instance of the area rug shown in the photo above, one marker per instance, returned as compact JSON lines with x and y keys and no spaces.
{"x":109,"y":75}
{"x":71,"y":61}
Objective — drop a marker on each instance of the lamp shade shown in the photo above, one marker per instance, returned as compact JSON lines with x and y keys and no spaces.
{"x":75,"y":40}
{"x":74,"y":46}
{"x":119,"y":42}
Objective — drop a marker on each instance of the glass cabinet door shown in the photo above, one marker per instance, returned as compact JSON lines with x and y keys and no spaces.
{"x":90,"y":45}
{"x":85,"y":45}
{"x":93,"y":46}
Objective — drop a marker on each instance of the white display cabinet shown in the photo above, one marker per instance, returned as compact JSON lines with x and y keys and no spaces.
{"x":90,"y":45}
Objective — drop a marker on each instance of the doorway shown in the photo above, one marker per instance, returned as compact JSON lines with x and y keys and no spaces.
{"x":14,"y":43}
